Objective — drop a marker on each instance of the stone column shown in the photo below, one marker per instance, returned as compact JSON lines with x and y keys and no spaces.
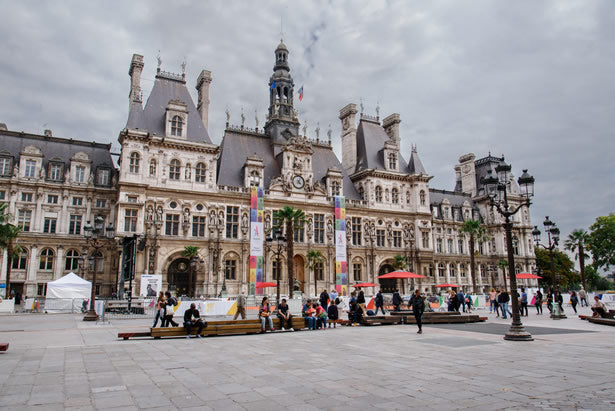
{"x":58,"y":267}
{"x":458,"y":267}
{"x":32,"y":265}
{"x":448,"y":273}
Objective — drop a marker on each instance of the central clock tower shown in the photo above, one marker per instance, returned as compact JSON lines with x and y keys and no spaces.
{"x":297,"y":163}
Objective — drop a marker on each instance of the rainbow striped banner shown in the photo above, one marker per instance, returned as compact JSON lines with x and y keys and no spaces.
{"x":257,"y":235}
{"x":341,"y":266}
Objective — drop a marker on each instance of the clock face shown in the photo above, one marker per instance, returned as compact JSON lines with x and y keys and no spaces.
{"x":298,"y":181}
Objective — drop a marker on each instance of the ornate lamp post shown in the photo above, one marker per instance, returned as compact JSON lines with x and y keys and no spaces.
{"x":553,"y":237}
{"x":497,"y":190}
{"x":278,"y":253}
{"x":96,"y":237}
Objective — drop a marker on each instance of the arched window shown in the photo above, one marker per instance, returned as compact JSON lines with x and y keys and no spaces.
{"x":452,"y":270}
{"x":72,"y":260}
{"x":177,"y":124}
{"x":188,"y":172}
{"x":422,"y":197}
{"x":393,"y":161}
{"x":462,"y":270}
{"x":135,"y":158}
{"x":199,"y":175}
{"x":174,"y":169}
{"x":395,"y":196}
{"x":438,"y":245}
{"x":319,"y":269}
{"x":152,"y":168}
{"x":441,"y":270}
{"x":335,"y":188}
{"x":255,"y":178}
{"x":378,"y":194}
{"x":362,"y":192}
{"x":517,"y":269}
{"x":460,"y":246}
{"x":483,"y":271}
{"x":19,"y":261}
{"x":230,"y":269}
{"x":46,"y":259}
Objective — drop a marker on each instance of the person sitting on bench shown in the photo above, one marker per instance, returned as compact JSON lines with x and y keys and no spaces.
{"x":333,"y":313}
{"x":598,"y":309}
{"x":264,"y":313}
{"x":308,"y":314}
{"x":193,"y":318}
{"x":355,"y":315}
{"x":286,"y":318}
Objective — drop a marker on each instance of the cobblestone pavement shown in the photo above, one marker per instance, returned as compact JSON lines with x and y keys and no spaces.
{"x":60,"y":362}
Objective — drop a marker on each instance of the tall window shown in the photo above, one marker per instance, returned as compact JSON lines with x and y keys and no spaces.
{"x":50,"y":225}
{"x":30,"y":168}
{"x":55,"y":172}
{"x":230,"y":269}
{"x":460,"y":246}
{"x":103,"y":177}
{"x":356,"y":271}
{"x":515,"y":243}
{"x":232,"y":222}
{"x":19,"y":261}
{"x":356,"y":230}
{"x":135,"y":159}
{"x":425,"y":239}
{"x":71,"y":262}
{"x":378,"y":194}
{"x":319,"y":270}
{"x":452,"y":270}
{"x":176,"y":126}
{"x":422,"y":197}
{"x":23,"y":219}
{"x":397,"y":238}
{"x":199,"y":174}
{"x":438,"y":245}
{"x":5,"y":166}
{"x":74,"y":225}
{"x":276,"y":270}
{"x":198,"y":226}
{"x":26,"y":197}
{"x":483,"y":271}
{"x":395,"y":196}
{"x":79,"y":174}
{"x":319,"y":228}
{"x":441,"y":270}
{"x":380,"y":238}
{"x":152,"y":168}
{"x":335,"y":188}
{"x":362,"y":192}
{"x":462,"y":270}
{"x":174,"y":169}
{"x":130,"y":220}
{"x":172,"y":224}
{"x":52,"y":199}
{"x":393,"y":161}
{"x":46,"y":259}
{"x":450,"y":247}
{"x":299,"y":233}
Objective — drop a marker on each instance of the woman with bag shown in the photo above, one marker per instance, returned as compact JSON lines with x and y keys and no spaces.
{"x":264,"y":313}
{"x":159,"y":309}
{"x":169,"y":310}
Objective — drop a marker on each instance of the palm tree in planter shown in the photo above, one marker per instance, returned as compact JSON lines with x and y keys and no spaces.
{"x":576,"y":243}
{"x":503,"y":264}
{"x":290,"y":218}
{"x":477,"y":233}
{"x":8,"y":234}
{"x":400,"y":262}
{"x":314,"y":257}
{"x":191,"y":253}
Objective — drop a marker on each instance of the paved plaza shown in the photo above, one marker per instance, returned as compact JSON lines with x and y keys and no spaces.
{"x":60,"y":362}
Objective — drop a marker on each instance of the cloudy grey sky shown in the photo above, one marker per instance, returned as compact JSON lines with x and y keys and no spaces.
{"x":530,"y":79}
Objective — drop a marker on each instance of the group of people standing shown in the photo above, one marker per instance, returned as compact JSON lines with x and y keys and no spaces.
{"x":165,"y":309}
{"x":459,"y":301}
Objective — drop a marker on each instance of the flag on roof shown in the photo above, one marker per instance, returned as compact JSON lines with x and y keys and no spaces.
{"x":273,"y":85}
{"x":301,"y":93}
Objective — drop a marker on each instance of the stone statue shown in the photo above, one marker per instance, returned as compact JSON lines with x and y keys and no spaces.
{"x":378,"y":110}
{"x":186,"y":215}
{"x":317,"y":131}
{"x":243,"y":118}
{"x":184,"y":67}
{"x":91,"y":179}
{"x":256,"y":118}
{"x":159,"y":59}
{"x":159,"y":213}
{"x":361,"y":106}
{"x":296,"y":284}
{"x":305,"y":128}
{"x":149,"y":216}
{"x":329,"y":133}
{"x":228,"y":116}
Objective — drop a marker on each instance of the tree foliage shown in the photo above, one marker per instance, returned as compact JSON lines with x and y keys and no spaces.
{"x":400,"y":262}
{"x":8,"y":234}
{"x":564,"y":269}
{"x":291,"y":218}
{"x":595,"y":281}
{"x":602,"y":242}
{"x":314,"y":257}
{"x":190,"y":251}
{"x":477,"y":233}
{"x":576,"y":243}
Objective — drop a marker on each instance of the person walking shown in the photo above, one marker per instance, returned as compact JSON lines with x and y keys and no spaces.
{"x":550,"y":301}
{"x":538,"y":302}
{"x":361,"y":301}
{"x":503,"y":300}
{"x":169,"y":310}
{"x":241,"y":306}
{"x":461,"y":298}
{"x":333,"y":295}
{"x":324,"y":299}
{"x":492,"y":300}
{"x":468,"y":302}
{"x":397,"y":300}
{"x":159,"y":309}
{"x":523,"y":301}
{"x":560,"y":302}
{"x":583,"y":297}
{"x":418,"y":307}
{"x":574,"y":300}
{"x":379,"y":301}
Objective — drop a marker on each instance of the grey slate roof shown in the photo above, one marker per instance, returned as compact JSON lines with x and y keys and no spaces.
{"x":415,"y":166}
{"x":152,"y":117}
{"x":55,"y":148}
{"x":237,"y":146}
{"x":370,"y":142}
{"x":456,"y":200}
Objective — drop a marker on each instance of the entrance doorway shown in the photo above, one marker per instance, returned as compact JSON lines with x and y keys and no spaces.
{"x":298,"y":263}
{"x":387,"y":285}
{"x":177,"y":276}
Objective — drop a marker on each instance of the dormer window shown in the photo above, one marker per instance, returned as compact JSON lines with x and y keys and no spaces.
{"x":6,"y":164}
{"x":103,"y":177}
{"x":199,"y":175}
{"x":79,"y":174}
{"x":255,"y":178}
{"x":135,"y":158}
{"x":395,"y":196}
{"x":177,"y":125}
{"x":393,"y":161}
{"x":56,"y":171}
{"x":30,"y":168}
{"x":335,"y":188}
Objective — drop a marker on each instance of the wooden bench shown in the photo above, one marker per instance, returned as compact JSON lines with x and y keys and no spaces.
{"x":4,"y":346}
{"x":603,"y":321}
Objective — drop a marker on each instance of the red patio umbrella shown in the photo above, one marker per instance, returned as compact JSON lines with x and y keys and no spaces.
{"x":366,"y":285}
{"x":400,"y":275}
{"x":265,"y":285}
{"x":528,"y":275}
{"x":446,"y":285}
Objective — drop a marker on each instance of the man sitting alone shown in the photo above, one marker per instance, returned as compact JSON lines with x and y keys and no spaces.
{"x":598,"y":309}
{"x":193,"y":318}
{"x":286,"y":318}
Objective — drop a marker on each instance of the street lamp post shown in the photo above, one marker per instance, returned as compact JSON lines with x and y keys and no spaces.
{"x":553,"y":237}
{"x":497,"y":189}
{"x":277,"y":252}
{"x":96,"y":237}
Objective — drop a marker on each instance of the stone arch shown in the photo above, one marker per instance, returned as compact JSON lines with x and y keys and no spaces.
{"x":387,"y":285}
{"x":299,"y":268}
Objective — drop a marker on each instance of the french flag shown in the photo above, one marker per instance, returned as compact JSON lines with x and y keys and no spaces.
{"x":301,"y":93}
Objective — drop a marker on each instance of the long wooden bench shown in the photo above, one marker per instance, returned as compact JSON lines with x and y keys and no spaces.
{"x":428,"y":318}
{"x":603,"y":321}
{"x":436,"y":313}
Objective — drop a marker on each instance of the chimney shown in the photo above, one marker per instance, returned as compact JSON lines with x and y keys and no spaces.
{"x":48,"y":133}
{"x":348,"y":116}
{"x":202,"y":86}
{"x":391,"y":127}
{"x":3,"y":127}
{"x":467,"y":174}
{"x":136,"y":67}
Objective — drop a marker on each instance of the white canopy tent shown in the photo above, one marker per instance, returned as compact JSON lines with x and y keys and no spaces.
{"x":67,"y":293}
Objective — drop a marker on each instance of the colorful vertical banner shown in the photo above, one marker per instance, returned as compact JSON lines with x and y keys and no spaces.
{"x":257,"y":235}
{"x":341,"y":266}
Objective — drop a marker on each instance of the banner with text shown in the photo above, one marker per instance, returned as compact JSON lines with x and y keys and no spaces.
{"x":341,"y":269}
{"x":257,"y":235}
{"x":151,"y":284}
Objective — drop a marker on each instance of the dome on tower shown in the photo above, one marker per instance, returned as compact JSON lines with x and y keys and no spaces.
{"x":282,"y":46}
